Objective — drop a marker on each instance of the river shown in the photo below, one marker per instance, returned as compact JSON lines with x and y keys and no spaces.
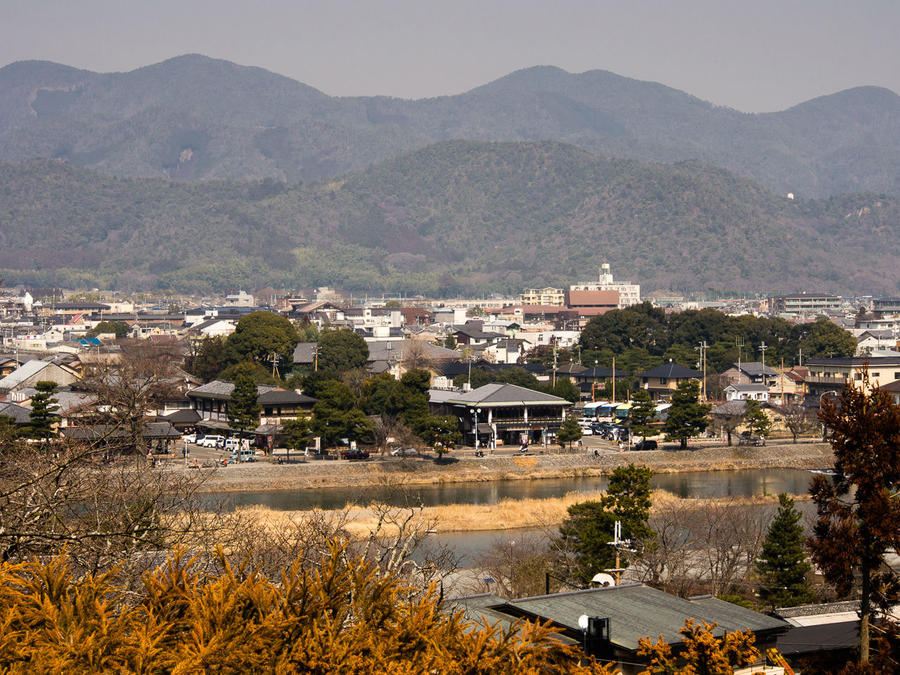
{"x":735,"y":483}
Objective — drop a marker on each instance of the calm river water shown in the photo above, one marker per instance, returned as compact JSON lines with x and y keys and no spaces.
{"x":739,"y":483}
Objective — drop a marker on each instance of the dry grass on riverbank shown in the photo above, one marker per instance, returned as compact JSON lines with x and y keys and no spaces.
{"x":506,"y":514}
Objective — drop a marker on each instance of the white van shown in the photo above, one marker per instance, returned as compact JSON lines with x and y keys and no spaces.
{"x":245,"y":456}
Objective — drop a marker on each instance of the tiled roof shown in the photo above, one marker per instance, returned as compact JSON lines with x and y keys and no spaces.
{"x":670,"y":371}
{"x":497,"y":394}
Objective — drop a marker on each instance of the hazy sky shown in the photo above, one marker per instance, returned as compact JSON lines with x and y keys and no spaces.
{"x":753,"y":55}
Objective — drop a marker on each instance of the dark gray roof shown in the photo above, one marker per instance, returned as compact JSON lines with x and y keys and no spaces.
{"x":19,"y":414}
{"x":284,"y":396}
{"x":637,"y":611}
{"x":598,"y":373}
{"x":819,"y":638}
{"x":747,"y":387}
{"x":670,"y":371}
{"x":185,"y":416}
{"x":497,"y":394}
{"x":756,"y":369}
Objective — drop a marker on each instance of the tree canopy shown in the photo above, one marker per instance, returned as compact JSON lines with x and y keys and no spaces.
{"x":261,"y":337}
{"x":687,"y":416}
{"x":341,"y":350}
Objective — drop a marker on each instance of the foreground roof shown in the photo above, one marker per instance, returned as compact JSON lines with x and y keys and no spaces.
{"x":636,"y":611}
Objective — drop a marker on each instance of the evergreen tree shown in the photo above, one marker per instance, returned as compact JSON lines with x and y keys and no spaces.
{"x":341,"y":350}
{"x":757,"y":419}
{"x":243,"y":406}
{"x":642,"y":413}
{"x":782,"y":565}
{"x":43,"y":410}
{"x":569,"y":432}
{"x":586,"y":532}
{"x":297,"y":434}
{"x":687,"y":417}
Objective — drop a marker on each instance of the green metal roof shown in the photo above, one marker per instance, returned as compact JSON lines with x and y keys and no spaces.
{"x":637,"y":611}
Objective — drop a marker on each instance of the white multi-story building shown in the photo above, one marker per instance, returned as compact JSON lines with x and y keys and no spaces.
{"x":629,"y":293}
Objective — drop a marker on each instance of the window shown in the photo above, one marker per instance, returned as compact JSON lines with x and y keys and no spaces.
{"x":663,"y":380}
{"x":876,"y":374}
{"x":857,"y":376}
{"x":897,"y":376}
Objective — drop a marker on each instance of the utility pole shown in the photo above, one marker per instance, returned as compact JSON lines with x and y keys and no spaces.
{"x":703,"y":347}
{"x":614,"y":380}
{"x":555,"y":342}
{"x":740,"y":345}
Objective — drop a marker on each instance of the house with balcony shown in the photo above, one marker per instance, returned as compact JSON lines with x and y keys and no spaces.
{"x":277,"y":405}
{"x":506,"y":413}
{"x":832,"y":375}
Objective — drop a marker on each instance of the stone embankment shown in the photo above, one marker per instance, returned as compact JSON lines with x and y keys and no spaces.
{"x":464,"y":467}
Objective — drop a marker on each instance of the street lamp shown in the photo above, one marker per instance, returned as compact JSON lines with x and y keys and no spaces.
{"x":475,"y":412}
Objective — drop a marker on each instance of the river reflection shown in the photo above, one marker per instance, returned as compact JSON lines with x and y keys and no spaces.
{"x":738,"y":483}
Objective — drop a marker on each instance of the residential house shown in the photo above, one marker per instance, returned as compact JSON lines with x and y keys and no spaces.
{"x":506,"y":351}
{"x":747,"y":392}
{"x":506,"y":413}
{"x":831,"y":375}
{"x":30,"y":373}
{"x":751,"y":372}
{"x":471,"y":334}
{"x":661,"y":381}
{"x":893,"y":389}
{"x":875,"y":340}
{"x":277,"y":405}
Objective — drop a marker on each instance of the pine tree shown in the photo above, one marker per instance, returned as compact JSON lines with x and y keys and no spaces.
{"x":569,"y":432}
{"x":687,"y":417}
{"x":756,"y":419}
{"x":782,"y":565}
{"x":642,"y":413}
{"x":43,"y":410}
{"x":243,"y":407}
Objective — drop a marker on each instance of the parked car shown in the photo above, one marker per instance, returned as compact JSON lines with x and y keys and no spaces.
{"x":401,"y":452}
{"x":645,"y":445}
{"x":355,"y":454}
{"x":192,"y":438}
{"x":211,"y":441}
{"x":232,"y":444}
{"x":245,"y":456}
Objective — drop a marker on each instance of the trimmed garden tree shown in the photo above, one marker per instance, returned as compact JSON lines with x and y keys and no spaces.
{"x":569,"y":432}
{"x":43,"y":410}
{"x":687,"y":416}
{"x":243,"y":407}
{"x":782,"y":565}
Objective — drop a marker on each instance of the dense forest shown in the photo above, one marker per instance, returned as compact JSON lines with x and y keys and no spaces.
{"x":453,"y":218}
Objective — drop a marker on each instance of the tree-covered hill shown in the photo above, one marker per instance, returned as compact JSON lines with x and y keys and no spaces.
{"x":192,"y":118}
{"x":453,"y":217}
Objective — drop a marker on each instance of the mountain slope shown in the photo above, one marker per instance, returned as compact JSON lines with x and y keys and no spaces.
{"x":453,"y":217}
{"x":192,"y":117}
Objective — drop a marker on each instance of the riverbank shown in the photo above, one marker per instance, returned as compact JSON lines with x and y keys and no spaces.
{"x":465,"y":468}
{"x":508,"y":514}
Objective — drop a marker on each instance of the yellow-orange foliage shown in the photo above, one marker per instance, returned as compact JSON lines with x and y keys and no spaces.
{"x":339,"y":616}
{"x":702,"y":654}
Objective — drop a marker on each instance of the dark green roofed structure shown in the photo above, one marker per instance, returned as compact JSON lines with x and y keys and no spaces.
{"x":628,"y":612}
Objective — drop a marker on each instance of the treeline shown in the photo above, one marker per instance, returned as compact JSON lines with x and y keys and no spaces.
{"x":454,"y":218}
{"x":642,"y":337}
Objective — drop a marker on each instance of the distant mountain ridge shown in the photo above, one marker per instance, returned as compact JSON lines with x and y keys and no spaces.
{"x":195,"y":118}
{"x":454,"y":217}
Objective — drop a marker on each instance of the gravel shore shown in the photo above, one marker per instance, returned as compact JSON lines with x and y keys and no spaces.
{"x":464,"y":467}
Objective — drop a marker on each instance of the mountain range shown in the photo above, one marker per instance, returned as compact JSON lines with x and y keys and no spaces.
{"x":195,"y":118}
{"x":452,"y":217}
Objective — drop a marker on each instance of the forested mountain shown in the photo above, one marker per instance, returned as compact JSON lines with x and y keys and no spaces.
{"x":459,"y":216}
{"x":193,"y":118}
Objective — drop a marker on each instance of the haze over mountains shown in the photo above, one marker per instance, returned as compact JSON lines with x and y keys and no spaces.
{"x":193,"y":117}
{"x":187,"y":175}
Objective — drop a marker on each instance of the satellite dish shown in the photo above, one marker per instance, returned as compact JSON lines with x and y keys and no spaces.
{"x":603,"y":579}
{"x":583,"y":622}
